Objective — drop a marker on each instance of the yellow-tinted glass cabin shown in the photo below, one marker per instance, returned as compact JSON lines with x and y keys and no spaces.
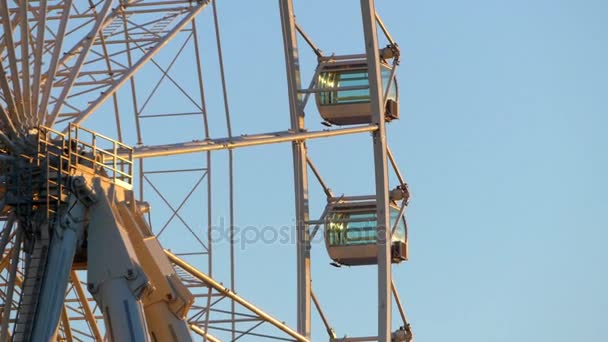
{"x":343,"y":96}
{"x":351,"y":233}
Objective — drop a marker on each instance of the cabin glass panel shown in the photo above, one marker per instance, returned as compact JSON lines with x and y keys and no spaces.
{"x":400,"y":233}
{"x":351,"y":78}
{"x":386,"y":76}
{"x":348,"y":228}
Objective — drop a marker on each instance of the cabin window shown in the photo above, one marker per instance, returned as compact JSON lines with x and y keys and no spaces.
{"x":359,"y":227}
{"x":351,"y":78}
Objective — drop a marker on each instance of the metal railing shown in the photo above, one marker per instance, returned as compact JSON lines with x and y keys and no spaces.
{"x":105,"y":156}
{"x":99,"y":154}
{"x":53,"y":160}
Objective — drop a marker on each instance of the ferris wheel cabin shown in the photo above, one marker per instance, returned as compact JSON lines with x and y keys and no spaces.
{"x":351,"y":230}
{"x":343,"y":93}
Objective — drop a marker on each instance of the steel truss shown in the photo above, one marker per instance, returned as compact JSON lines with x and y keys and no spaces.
{"x":298,"y":97}
{"x":63,"y":62}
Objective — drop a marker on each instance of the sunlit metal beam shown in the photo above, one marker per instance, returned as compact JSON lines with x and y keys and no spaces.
{"x":83,"y":52}
{"x":118,"y":82}
{"x":242,"y":141}
{"x":8,"y":299}
{"x":225,"y":291}
{"x":54,"y":63}
{"x":203,"y":333}
{"x":11,"y":55}
{"x":88,"y":313}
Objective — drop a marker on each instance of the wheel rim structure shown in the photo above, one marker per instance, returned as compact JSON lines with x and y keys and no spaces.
{"x":110,"y":65}
{"x":92,"y":51}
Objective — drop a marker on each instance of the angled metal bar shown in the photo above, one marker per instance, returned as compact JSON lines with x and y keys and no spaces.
{"x":175,"y":212}
{"x":330,"y":331}
{"x":7,"y":232}
{"x":8,"y":301}
{"x":101,"y":57}
{"x":38,"y":53}
{"x":176,"y":84}
{"x":65,"y":322}
{"x":246,"y":332}
{"x":110,"y":71}
{"x":253,"y":334}
{"x":220,"y":288}
{"x":199,"y":74}
{"x":14,"y":24}
{"x":308,"y":40}
{"x":88,"y":313}
{"x":83,"y":52}
{"x":318,"y":224}
{"x":8,"y":96}
{"x":246,"y":317}
{"x":203,"y":333}
{"x":182,"y":203}
{"x":54,"y":63}
{"x":133,"y":100}
{"x":315,"y":171}
{"x":91,"y":18}
{"x":149,"y":116}
{"x":218,"y":42}
{"x":165,"y":73}
{"x":12,"y":57}
{"x":391,"y":158}
{"x":25,"y":62}
{"x":148,"y":56}
{"x":399,"y":305}
{"x":209,"y":307}
{"x":5,"y":262}
{"x":4,"y":116}
{"x":384,"y":29}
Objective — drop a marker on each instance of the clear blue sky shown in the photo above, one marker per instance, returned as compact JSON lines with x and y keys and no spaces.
{"x":502,"y":140}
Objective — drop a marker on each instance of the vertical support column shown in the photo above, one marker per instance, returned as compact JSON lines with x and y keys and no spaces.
{"x":299,"y":166}
{"x":368,"y":13}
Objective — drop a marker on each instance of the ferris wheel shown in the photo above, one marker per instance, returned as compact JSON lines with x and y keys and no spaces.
{"x":96,"y":124}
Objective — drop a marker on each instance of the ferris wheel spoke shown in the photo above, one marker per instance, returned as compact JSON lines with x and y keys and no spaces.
{"x":8,"y":122}
{"x":10,"y":115}
{"x":54,"y":63}
{"x":120,"y":80}
{"x":38,"y":53}
{"x":10,"y":101}
{"x":83,"y":52}
{"x":102,"y":51}
{"x":14,"y":24}
{"x":25,"y":61}
{"x":11,"y":55}
{"x":8,"y":299}
{"x":65,"y":323}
